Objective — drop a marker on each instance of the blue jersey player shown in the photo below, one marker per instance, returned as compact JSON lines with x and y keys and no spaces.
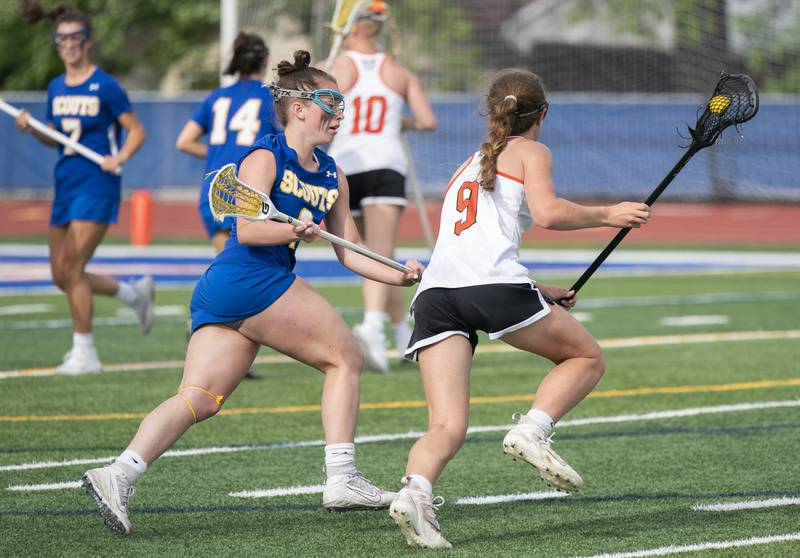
{"x":232,"y":118}
{"x":90,"y":107}
{"x":250,"y":297}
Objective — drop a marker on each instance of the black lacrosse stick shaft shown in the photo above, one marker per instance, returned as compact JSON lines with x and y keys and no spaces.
{"x":598,"y":261}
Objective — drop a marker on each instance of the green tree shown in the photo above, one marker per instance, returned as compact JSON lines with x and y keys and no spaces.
{"x":147,"y":35}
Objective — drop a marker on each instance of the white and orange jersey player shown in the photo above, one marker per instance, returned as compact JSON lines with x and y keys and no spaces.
{"x":369,"y":149}
{"x":475,"y":282}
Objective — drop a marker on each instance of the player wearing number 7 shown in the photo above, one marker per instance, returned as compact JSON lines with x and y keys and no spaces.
{"x":250,"y":297}
{"x":90,"y":107}
{"x":233,"y":117}
{"x":475,"y":282}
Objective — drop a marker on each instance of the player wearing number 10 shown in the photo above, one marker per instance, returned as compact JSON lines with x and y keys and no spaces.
{"x":369,"y":149}
{"x":234,"y":117}
{"x":476,"y":282}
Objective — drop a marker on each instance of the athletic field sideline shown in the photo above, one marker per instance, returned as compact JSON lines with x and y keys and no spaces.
{"x":688,"y":446}
{"x":26,"y":266}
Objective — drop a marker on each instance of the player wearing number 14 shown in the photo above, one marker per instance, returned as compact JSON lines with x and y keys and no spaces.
{"x":233,"y":117}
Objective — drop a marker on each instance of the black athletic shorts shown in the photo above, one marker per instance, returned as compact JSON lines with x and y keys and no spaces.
{"x":383,"y":186}
{"x":496,"y":309}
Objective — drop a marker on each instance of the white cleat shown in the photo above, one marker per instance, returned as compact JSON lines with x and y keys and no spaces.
{"x":145,"y":304}
{"x":78,"y":361}
{"x":354,"y":492}
{"x":415,"y":513}
{"x":373,"y":343}
{"x":527,"y":442}
{"x":112,"y":492}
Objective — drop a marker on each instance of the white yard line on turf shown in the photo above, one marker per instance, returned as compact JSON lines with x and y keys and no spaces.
{"x":688,"y":412}
{"x":747,"y":505}
{"x":683,"y":321}
{"x":485,"y":500}
{"x":625,"y":342}
{"x":40,"y":487}
{"x":19,"y":309}
{"x":720,"y":545}
{"x":278,"y":492}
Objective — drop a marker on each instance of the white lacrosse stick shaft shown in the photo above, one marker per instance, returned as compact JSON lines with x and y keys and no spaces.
{"x":269,"y":212}
{"x":57,"y":136}
{"x":341,"y":33}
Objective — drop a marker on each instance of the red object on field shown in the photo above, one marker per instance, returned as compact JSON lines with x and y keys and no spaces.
{"x":141,"y":218}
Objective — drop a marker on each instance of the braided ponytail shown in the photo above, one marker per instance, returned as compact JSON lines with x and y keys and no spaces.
{"x":501,"y":121}
{"x":516,"y":100}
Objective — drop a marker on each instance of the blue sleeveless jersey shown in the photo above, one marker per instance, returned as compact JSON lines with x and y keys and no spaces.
{"x":88,"y":114}
{"x":234,"y":117}
{"x":243,"y":280}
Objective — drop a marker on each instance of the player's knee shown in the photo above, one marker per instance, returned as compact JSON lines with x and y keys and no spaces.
{"x":65,"y":276}
{"x":597,"y":361}
{"x":453,"y":429}
{"x":60,"y":277}
{"x":347,"y":358}
{"x":200,"y":402}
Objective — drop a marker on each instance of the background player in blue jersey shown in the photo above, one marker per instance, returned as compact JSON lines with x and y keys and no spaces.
{"x":250,"y":297}
{"x":88,"y":105}
{"x":233,"y":117}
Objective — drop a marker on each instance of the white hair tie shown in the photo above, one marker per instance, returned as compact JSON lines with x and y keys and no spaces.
{"x":510,"y":97}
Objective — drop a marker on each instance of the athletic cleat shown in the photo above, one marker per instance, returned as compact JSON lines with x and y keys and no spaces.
{"x":145,"y":304}
{"x":79,"y":361}
{"x":527,"y":442}
{"x":112,"y":492}
{"x":415,"y":513}
{"x":373,"y":343}
{"x":354,"y":492}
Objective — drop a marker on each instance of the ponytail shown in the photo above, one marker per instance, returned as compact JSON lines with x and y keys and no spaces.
{"x":516,"y":100}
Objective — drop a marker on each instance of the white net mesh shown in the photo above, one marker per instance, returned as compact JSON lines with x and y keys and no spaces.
{"x":622,"y":77}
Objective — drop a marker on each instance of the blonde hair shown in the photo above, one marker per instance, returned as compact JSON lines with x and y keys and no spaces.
{"x":515,"y":101}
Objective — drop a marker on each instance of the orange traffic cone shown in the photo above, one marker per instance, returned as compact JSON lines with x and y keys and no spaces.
{"x":141,"y":217}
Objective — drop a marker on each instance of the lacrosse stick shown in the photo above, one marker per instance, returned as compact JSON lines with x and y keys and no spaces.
{"x":419,"y":200}
{"x":733,"y":102}
{"x":230,"y":197}
{"x":57,"y":136}
{"x":344,"y":17}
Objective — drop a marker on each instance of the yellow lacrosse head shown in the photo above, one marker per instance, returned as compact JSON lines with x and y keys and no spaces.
{"x":229,"y":197}
{"x":718,"y":105}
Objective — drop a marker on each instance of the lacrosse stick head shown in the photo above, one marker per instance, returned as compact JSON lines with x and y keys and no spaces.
{"x":734,"y":101}
{"x":229,"y":197}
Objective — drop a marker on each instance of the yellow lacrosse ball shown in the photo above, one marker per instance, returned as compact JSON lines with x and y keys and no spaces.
{"x":718,"y":104}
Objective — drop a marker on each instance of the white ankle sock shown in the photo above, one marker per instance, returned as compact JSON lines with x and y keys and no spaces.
{"x":420,"y":482}
{"x":374,"y":319}
{"x":82,"y":340}
{"x":340,"y":459}
{"x":401,"y":334}
{"x":126,"y":293}
{"x":542,"y":420}
{"x":134,"y":462}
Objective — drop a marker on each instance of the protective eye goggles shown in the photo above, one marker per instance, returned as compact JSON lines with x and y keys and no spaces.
{"x":329,"y":100}
{"x":79,"y":37}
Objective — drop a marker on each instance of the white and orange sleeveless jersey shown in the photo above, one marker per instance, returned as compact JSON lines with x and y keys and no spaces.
{"x":479,"y":232}
{"x":369,"y":136}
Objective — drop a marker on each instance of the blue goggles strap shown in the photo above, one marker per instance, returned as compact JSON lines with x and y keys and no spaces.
{"x":315,"y":96}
